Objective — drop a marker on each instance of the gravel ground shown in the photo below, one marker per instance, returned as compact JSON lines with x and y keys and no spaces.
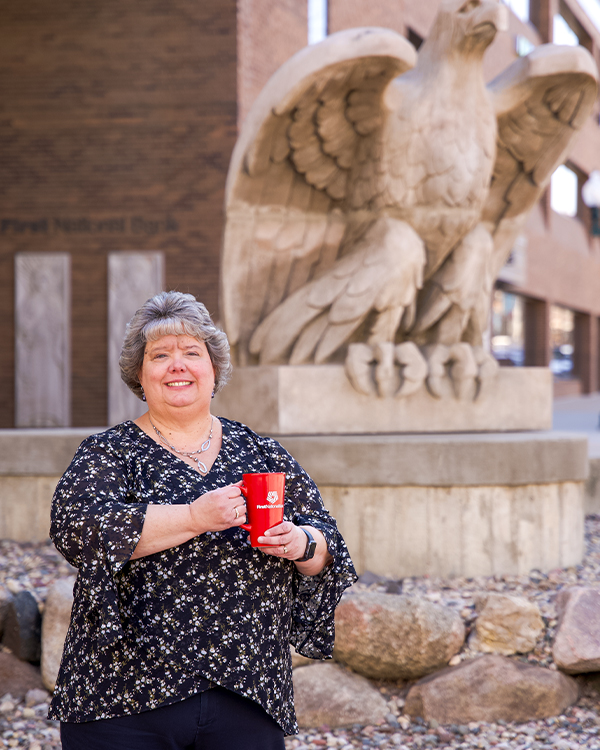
{"x":34,"y":567}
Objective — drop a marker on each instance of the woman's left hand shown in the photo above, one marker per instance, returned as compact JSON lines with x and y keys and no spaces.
{"x":285,"y":540}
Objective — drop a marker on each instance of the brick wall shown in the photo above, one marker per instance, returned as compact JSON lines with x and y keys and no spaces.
{"x":269,"y":33}
{"x":117,"y":121}
{"x":348,"y":14}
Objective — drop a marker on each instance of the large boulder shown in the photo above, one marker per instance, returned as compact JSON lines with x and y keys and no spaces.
{"x":491,"y":688}
{"x":17,"y":677}
{"x":506,"y":625}
{"x":390,"y":637}
{"x":57,"y":616}
{"x":576,"y":647}
{"x":329,"y":694}
{"x":5,"y":600}
{"x":22,"y":627}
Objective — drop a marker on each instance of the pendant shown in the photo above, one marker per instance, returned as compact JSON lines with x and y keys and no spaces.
{"x":200,"y":465}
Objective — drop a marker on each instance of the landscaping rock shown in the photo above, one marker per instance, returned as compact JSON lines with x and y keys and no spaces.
{"x":298,"y":660}
{"x":491,"y":688}
{"x":506,"y":625}
{"x":35,"y":697}
{"x":389,"y":637}
{"x":329,"y":694}
{"x":57,"y":615}
{"x":17,"y":677}
{"x":576,"y":647}
{"x":5,"y":600}
{"x":22,"y":627}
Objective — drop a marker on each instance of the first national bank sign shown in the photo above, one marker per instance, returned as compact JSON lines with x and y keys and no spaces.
{"x":83,"y":225}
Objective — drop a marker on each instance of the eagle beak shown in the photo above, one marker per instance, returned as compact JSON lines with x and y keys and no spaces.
{"x":489,"y":15}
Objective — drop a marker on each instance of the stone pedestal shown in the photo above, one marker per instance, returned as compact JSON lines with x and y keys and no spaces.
{"x":468,"y":495}
{"x":447,"y":505}
{"x":316,"y":400}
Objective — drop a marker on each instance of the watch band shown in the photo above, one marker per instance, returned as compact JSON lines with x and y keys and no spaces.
{"x":311,"y":546}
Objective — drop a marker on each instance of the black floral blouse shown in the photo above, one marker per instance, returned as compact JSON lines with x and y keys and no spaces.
{"x":156,"y":630}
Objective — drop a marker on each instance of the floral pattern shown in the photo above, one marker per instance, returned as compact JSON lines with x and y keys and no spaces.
{"x":156,"y":630}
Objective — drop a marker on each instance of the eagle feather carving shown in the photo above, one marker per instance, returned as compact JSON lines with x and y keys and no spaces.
{"x":374,"y":195}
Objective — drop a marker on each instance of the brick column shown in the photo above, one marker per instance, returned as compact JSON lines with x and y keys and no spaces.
{"x":537,"y":333}
{"x":584,"y":356}
{"x":541,"y":13}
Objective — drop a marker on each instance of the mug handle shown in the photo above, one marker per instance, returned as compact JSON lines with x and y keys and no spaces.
{"x":244,"y":491}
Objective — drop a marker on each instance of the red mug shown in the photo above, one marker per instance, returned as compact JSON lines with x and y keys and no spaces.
{"x":264,"y":495}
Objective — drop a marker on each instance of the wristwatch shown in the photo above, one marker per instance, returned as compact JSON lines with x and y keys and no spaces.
{"x":311,"y":547}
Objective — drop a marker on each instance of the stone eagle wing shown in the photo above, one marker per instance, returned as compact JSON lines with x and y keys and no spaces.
{"x":290,"y":174}
{"x":541,"y":101}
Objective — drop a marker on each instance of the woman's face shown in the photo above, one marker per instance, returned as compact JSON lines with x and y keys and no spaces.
{"x":177,"y":372}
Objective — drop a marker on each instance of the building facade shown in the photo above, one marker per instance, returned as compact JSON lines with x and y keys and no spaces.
{"x":117,"y":122}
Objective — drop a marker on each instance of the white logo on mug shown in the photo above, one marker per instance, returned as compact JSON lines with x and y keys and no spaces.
{"x":272,"y":497}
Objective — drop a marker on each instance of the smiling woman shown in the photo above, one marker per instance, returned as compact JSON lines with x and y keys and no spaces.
{"x":176,"y":616}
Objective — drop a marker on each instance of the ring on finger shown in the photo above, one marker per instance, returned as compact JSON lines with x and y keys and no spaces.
{"x":237,"y":515}
{"x":284,"y":550}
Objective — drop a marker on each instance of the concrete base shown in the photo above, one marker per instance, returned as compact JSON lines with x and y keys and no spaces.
{"x":460,"y":531}
{"x":449,"y":505}
{"x":464,"y":504}
{"x":317,"y":400}
{"x":31,"y":463}
{"x":592,"y":488}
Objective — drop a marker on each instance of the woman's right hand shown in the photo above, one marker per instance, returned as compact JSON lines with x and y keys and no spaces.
{"x":219,"y":509}
{"x":168,"y":526}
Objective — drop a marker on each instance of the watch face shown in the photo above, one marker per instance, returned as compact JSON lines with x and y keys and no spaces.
{"x":310,"y":550}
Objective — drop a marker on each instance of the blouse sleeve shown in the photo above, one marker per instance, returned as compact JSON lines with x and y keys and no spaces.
{"x":314,"y":597}
{"x":96,"y":523}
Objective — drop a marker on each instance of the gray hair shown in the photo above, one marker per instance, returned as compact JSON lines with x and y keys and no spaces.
{"x":168,"y":314}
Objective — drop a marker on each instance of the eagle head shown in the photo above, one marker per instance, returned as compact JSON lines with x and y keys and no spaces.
{"x":467,"y":26}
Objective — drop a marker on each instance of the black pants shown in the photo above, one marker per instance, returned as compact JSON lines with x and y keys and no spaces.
{"x":216,"y":719}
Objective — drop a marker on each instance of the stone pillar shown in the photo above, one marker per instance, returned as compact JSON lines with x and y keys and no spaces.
{"x":42,"y":339}
{"x":133,"y":277}
{"x":537,"y":333}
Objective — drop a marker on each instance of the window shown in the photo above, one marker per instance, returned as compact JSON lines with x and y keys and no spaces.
{"x":564,"y":191}
{"x":562,"y":33}
{"x":523,"y":46}
{"x":508,"y":341}
{"x":317,"y":21}
{"x":562,"y":341}
{"x":592,"y":9}
{"x":520,"y":8}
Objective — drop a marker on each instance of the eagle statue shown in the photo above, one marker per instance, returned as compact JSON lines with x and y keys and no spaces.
{"x":374,"y":195}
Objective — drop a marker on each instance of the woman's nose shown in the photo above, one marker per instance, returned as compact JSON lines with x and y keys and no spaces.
{"x":178,"y":363}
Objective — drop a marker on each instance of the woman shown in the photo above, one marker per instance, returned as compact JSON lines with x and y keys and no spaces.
{"x":180,"y":630}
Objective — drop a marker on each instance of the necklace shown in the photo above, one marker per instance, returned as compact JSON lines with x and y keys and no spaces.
{"x":200,"y":465}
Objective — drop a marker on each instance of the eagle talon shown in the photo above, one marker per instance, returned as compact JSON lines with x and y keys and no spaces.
{"x":437,"y":356}
{"x":488,"y":368}
{"x":414,"y":368}
{"x":386,"y":375}
{"x":460,"y":370}
{"x":386,"y":370}
{"x":463,"y":371}
{"x":359,"y":368}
